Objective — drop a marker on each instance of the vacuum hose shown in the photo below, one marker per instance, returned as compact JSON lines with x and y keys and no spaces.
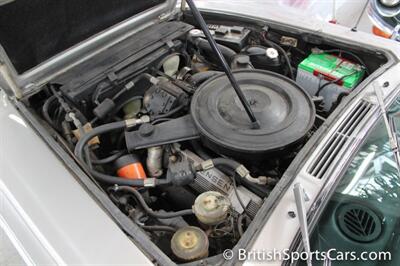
{"x":148,"y":210}
{"x":80,"y":146}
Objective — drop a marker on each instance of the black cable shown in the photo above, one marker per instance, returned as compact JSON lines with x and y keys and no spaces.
{"x":339,"y":99}
{"x":163,"y":228}
{"x":94,"y":120}
{"x":66,"y":129}
{"x":86,"y":148}
{"x":238,"y":197}
{"x":284,"y":53}
{"x":59,"y":115}
{"x":339,"y":51}
{"x":333,"y":82}
{"x":323,"y":87}
{"x":46,"y":107}
{"x":64,"y":105}
{"x":163,"y":74}
{"x":161,"y":120}
{"x":151,"y":228}
{"x":98,"y":91}
{"x":199,"y":150}
{"x":150,"y":211}
{"x":45,"y":112}
{"x":170,"y":113}
{"x":233,"y":165}
{"x":134,"y":81}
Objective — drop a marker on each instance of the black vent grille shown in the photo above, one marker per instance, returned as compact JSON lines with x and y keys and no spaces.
{"x":321,"y":164}
{"x":359,"y":223}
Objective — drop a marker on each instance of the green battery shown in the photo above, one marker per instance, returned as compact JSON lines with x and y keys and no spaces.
{"x":320,"y":68}
{"x":331,"y":68}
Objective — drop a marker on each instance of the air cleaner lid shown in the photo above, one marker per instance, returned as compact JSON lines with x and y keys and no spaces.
{"x":284,"y":110}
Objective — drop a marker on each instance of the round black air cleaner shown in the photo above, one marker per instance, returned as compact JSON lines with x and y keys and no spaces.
{"x":284,"y":110}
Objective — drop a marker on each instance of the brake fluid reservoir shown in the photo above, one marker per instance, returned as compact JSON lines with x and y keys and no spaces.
{"x":190,"y":243}
{"x":211,"y":207}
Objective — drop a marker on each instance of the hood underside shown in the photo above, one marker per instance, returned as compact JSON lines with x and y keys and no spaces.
{"x":34,"y":34}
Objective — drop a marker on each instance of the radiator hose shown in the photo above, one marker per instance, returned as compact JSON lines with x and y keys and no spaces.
{"x":204,"y":45}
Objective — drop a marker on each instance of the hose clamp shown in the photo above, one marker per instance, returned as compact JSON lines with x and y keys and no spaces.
{"x":242,"y":171}
{"x":206,"y":165}
{"x":149,"y":182}
{"x":134,"y":121}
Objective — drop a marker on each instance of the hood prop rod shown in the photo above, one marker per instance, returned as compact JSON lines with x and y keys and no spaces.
{"x":199,"y":19}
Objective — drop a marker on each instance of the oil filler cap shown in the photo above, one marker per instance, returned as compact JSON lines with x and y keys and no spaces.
{"x":190,"y":243}
{"x":146,"y":130}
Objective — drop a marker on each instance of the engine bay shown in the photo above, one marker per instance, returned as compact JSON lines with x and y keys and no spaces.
{"x":157,"y":124}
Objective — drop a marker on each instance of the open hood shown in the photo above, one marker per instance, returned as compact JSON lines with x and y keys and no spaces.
{"x":43,"y":38}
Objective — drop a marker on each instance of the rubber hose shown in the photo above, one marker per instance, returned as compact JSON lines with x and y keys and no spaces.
{"x":150,"y":211}
{"x":79,"y":148}
{"x":198,"y":149}
{"x":199,"y":78}
{"x":240,"y":224}
{"x":155,"y":228}
{"x":227,"y":52}
{"x":225,"y":162}
{"x":95,"y":132}
{"x":108,"y":159}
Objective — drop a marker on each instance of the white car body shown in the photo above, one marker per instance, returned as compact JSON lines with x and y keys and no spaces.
{"x":40,"y":218}
{"x":342,"y":12}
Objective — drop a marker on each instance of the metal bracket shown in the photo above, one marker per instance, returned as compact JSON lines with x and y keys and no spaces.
{"x":301,"y":197}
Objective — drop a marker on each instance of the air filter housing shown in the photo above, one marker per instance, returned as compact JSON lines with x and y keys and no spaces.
{"x":284,"y":110}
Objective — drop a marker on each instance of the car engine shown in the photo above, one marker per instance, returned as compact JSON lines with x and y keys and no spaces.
{"x":156,"y":123}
